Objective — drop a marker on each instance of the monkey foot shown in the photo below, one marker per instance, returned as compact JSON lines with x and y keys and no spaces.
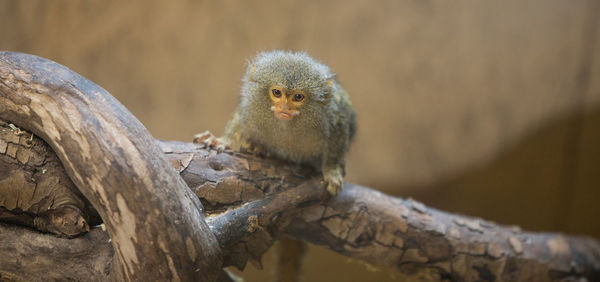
{"x":334,"y":179}
{"x":207,"y":139}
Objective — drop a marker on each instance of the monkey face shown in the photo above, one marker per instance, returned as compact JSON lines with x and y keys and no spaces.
{"x":286,"y":103}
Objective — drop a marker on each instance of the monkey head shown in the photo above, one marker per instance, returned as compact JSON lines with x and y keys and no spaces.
{"x":286,"y":85}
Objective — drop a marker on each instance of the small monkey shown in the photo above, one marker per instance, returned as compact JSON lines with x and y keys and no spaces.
{"x":292,"y":108}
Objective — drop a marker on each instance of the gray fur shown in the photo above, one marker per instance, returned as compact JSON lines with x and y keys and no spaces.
{"x":319,"y":135}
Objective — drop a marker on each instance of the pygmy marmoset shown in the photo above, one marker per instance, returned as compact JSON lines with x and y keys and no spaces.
{"x":292,"y":108}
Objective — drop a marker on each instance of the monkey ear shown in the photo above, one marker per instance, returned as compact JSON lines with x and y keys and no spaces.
{"x":251,"y":70}
{"x":329,"y":84}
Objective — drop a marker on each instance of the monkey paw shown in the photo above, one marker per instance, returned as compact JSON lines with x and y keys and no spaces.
{"x":207,"y":139}
{"x":334,"y":179}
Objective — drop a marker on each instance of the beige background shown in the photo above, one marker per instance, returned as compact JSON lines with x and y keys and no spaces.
{"x":485,"y":108}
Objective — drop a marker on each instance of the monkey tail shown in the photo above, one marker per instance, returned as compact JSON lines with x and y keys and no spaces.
{"x":289,"y":260}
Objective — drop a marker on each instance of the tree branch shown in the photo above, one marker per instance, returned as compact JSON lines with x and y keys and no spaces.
{"x":253,"y":201}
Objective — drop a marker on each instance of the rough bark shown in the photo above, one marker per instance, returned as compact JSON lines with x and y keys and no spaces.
{"x":55,"y":205}
{"x":249,"y":202}
{"x":149,"y":212}
{"x":253,"y":201}
{"x":28,"y":255}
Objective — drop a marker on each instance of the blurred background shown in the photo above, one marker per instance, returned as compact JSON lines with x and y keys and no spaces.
{"x":485,"y":108}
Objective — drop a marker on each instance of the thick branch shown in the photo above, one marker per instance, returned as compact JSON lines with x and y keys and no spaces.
{"x":113,"y":160}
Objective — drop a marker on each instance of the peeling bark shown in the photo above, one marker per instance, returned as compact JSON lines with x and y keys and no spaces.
{"x":34,"y":188}
{"x":249,"y":203}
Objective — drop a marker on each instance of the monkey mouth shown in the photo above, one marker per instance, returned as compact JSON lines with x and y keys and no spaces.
{"x":284,"y":115}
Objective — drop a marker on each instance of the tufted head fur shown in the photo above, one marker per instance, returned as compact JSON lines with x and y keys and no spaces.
{"x":292,"y":70}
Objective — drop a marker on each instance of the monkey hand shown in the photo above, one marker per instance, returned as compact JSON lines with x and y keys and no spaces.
{"x":208,"y":140}
{"x":335,"y":180}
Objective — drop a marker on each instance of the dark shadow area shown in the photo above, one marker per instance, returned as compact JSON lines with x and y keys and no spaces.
{"x":549,"y":181}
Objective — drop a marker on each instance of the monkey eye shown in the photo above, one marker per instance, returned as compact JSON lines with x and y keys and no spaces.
{"x":276,"y":93}
{"x":298,"y":97}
